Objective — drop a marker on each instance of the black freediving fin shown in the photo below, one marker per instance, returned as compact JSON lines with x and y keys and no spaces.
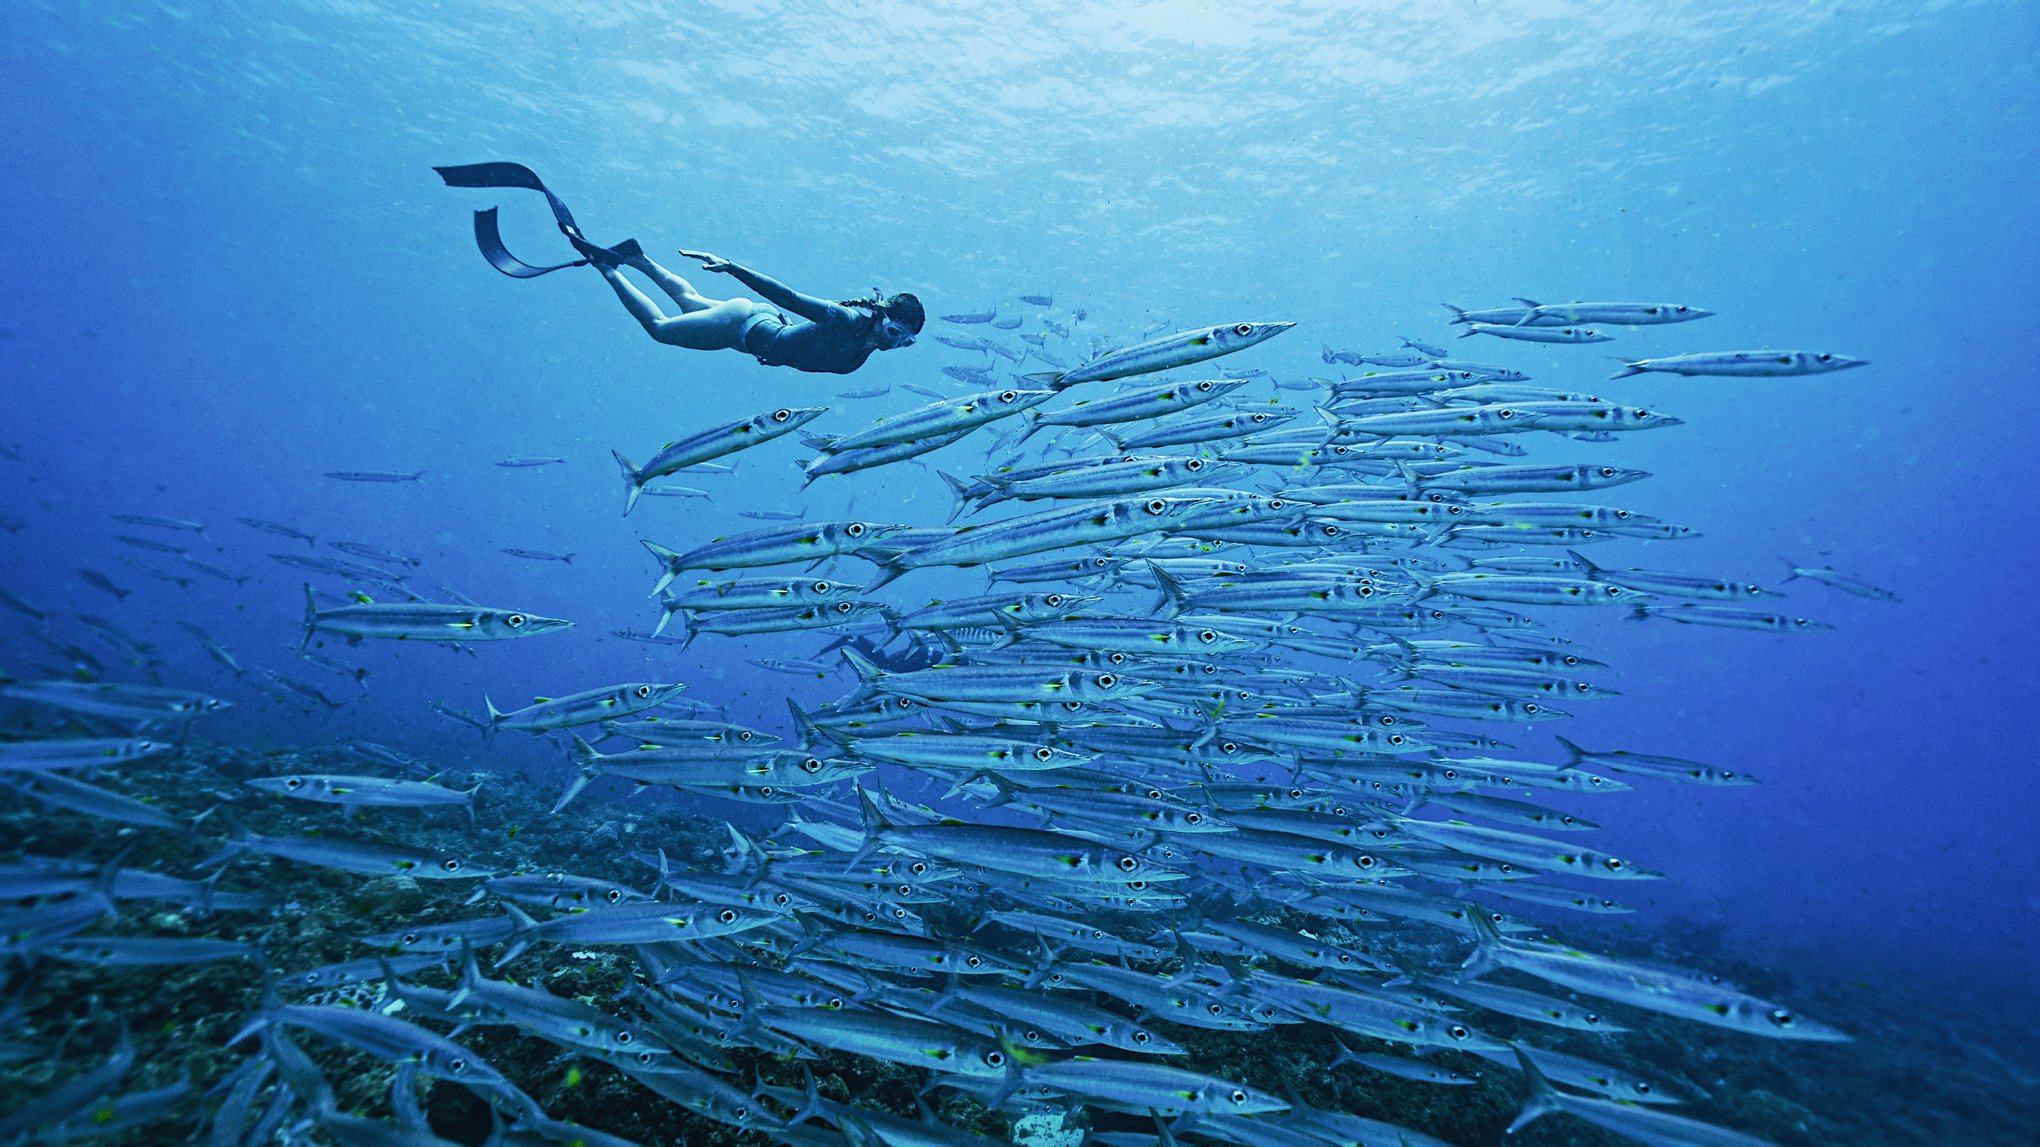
{"x":490,"y":238}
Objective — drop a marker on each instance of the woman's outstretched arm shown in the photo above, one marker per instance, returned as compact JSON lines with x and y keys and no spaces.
{"x":773,"y":291}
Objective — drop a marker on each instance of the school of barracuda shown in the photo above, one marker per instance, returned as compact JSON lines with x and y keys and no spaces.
{"x":1362,"y":591}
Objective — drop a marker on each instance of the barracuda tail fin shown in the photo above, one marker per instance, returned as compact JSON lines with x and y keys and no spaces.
{"x":1628,"y":368}
{"x":587,"y":766}
{"x":311,"y":618}
{"x":667,"y":612}
{"x":1543,"y":1100}
{"x":1458,"y":313}
{"x":670,"y":559}
{"x":1052,"y":379}
{"x":1172,"y":601}
{"x":1791,"y":570}
{"x":1587,"y":568}
{"x":868,"y":675}
{"x":495,"y":719}
{"x":1485,"y":956}
{"x":1578,"y":754}
{"x":958,"y":489}
{"x":812,"y":1105}
{"x":633,"y":483}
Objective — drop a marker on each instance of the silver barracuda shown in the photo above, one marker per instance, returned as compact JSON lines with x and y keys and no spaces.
{"x":771,"y":546}
{"x":710,"y":444}
{"x":945,"y":417}
{"x":1743,"y":364}
{"x":1166,"y":353}
{"x":584,"y":708}
{"x":422,"y":621}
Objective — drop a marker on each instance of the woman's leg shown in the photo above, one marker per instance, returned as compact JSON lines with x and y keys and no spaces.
{"x":678,"y":289}
{"x":714,"y":326}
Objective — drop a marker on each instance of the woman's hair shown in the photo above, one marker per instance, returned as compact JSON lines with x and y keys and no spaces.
{"x":902,"y":308}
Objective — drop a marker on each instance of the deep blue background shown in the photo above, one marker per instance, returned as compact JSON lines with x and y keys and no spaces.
{"x":229,"y":268}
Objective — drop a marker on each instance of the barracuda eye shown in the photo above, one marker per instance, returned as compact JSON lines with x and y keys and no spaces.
{"x":854,"y":529}
{"x":1206,"y":636}
{"x":624,"y":1037}
{"x":834,"y":1002}
{"x":1142,"y":1038}
{"x":1505,"y":413}
{"x":727,"y":916}
{"x":1193,"y":818}
{"x":1827,"y":358}
{"x":918,"y":868}
{"x":457,"y":1065}
{"x":1396,"y":738}
{"x":781,"y":900}
{"x":408,"y":939}
{"x":450,"y":864}
{"x":995,"y":1059}
{"x":1457,"y":1031}
{"x":1296,"y":794}
{"x":643,"y":691}
{"x":613,"y":895}
{"x":1530,"y":706}
{"x":1364,"y":861}
{"x":1437,"y":615}
{"x":1641,"y":413}
{"x":293,"y":783}
{"x":1106,"y":680}
{"x":1258,"y":419}
{"x":645,"y":1058}
{"x":1156,"y":506}
{"x":811,"y":765}
{"x":1237,"y":1096}
{"x":1592,"y":1017}
{"x":1245,"y":329}
{"x":1044,"y":753}
{"x":1228,"y":747}
{"x":781,"y":415}
{"x":1128,"y":863}
{"x":1613,"y":864}
{"x":973,"y":962}
{"x":514,"y":621}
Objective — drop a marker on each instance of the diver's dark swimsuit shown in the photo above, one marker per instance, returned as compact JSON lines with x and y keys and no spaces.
{"x":764,"y":337}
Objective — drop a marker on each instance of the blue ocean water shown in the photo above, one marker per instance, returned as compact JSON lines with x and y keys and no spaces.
{"x":231,"y":270}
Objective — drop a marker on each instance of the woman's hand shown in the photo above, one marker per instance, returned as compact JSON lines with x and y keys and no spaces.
{"x":709,"y":262}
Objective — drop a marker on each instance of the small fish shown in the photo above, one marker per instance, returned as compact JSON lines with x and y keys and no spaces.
{"x":674,"y":491}
{"x":375,"y":476}
{"x":163,"y":575}
{"x":1829,"y":576}
{"x":1007,"y":324}
{"x":526,"y":463}
{"x":161,"y":523}
{"x":148,"y":544}
{"x":771,"y":515}
{"x":874,"y":392}
{"x":211,"y":570}
{"x":972,"y":318}
{"x":538,"y":555}
{"x":1038,"y":300}
{"x":21,"y":607}
{"x":1541,"y":335}
{"x":794,"y":666}
{"x":279,"y":529}
{"x":1416,"y":1069}
{"x":100,"y":581}
{"x":374,"y":553}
